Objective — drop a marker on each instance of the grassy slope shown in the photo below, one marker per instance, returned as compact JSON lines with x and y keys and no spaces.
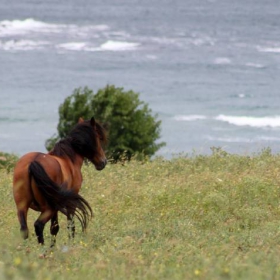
{"x":205,"y":217}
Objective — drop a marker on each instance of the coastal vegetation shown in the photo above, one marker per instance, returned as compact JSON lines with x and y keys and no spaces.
{"x":7,"y":161}
{"x":191,"y":217}
{"x":133,"y":129}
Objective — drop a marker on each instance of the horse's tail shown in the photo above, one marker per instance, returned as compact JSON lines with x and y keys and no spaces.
{"x":65,"y":201}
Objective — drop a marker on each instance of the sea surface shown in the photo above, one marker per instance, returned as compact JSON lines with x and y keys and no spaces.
{"x":208,"y":68}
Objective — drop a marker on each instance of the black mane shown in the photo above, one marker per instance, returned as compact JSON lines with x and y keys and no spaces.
{"x":81,"y":140}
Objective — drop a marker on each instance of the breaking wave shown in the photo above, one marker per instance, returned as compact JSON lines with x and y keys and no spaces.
{"x":30,"y":25}
{"x":222,"y":61}
{"x":269,"y":49}
{"x":107,"y":46}
{"x":22,"y":45}
{"x":30,"y":34}
{"x":255,"y":139}
{"x":118,"y":46}
{"x":273,"y":121}
{"x":189,"y":118}
{"x":257,"y":122}
{"x":22,"y":27}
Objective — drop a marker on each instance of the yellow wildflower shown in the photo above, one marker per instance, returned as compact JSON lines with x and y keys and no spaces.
{"x":17,"y":261}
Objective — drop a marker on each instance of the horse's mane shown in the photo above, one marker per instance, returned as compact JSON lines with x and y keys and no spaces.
{"x":81,"y":140}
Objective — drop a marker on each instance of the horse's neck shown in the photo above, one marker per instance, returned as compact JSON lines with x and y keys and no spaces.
{"x":76,"y":166}
{"x":78,"y":162}
{"x":77,"y":173}
{"x":71,"y":172}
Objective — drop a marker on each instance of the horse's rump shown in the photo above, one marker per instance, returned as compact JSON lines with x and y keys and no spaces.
{"x":59,"y":198}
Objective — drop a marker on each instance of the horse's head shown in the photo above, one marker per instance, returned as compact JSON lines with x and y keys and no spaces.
{"x":88,"y":138}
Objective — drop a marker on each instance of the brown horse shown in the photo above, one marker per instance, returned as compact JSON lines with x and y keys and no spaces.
{"x":49,"y":183}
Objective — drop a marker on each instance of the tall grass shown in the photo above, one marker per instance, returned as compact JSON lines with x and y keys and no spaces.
{"x":199,"y":217}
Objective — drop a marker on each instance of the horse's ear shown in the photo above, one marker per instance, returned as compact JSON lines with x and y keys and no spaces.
{"x":81,"y":120}
{"x":92,"y":121}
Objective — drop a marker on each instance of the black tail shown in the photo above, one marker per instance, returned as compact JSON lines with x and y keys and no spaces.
{"x":65,"y":201}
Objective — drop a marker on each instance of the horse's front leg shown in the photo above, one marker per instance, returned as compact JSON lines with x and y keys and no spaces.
{"x":71,"y":225}
{"x":54,"y":229}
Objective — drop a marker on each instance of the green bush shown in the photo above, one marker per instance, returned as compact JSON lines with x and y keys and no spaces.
{"x":132,"y":129}
{"x":7,"y":161}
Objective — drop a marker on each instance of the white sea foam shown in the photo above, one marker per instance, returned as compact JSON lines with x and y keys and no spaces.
{"x":22,"y":45}
{"x":88,"y":47}
{"x":254,"y":65}
{"x":82,"y":36}
{"x":258,"y":122}
{"x":73,"y":46}
{"x":222,"y":61}
{"x":273,"y":121}
{"x":269,"y":49}
{"x":93,"y":31}
{"x":189,"y":117}
{"x":151,"y":57}
{"x":229,"y":139}
{"x":118,"y":46}
{"x":202,"y":40}
{"x":242,"y":95}
{"x":30,"y":25}
{"x":182,"y":40}
{"x":21,"y":27}
{"x":256,"y":139}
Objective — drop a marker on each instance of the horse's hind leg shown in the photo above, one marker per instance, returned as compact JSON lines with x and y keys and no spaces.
{"x":23,"y":199}
{"x":40,"y":224}
{"x":22,"y":217}
{"x":54,"y":229}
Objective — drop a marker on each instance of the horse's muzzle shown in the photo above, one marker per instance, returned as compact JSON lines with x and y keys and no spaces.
{"x":101,"y":165}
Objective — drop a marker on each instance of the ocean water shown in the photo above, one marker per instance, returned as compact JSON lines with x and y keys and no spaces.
{"x":209,"y":68}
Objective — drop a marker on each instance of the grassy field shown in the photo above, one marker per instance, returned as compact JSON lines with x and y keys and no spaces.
{"x":199,"y":217}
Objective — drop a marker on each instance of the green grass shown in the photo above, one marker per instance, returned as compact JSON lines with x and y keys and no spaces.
{"x":199,"y":217}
